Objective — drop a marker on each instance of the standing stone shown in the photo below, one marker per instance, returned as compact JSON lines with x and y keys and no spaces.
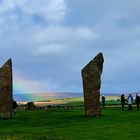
{"x":6,"y":104}
{"x":91,"y":75}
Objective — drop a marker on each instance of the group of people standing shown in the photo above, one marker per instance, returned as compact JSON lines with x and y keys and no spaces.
{"x":130,"y":101}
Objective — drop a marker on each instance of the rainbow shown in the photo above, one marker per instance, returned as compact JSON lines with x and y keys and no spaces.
{"x":19,"y":89}
{"x":22,"y":94}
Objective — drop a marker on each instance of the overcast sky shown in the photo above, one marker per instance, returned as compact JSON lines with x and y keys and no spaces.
{"x":50,"y":41}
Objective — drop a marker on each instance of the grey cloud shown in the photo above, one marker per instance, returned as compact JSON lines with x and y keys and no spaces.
{"x":50,"y":10}
{"x":54,"y":54}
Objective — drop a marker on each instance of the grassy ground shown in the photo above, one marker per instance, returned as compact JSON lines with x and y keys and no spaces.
{"x":71,"y":125}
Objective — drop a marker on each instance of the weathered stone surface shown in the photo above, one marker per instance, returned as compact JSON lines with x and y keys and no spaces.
{"x":91,"y":76}
{"x":6,"y":104}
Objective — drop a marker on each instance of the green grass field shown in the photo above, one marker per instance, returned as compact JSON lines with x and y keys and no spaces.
{"x":71,"y":125}
{"x":110,"y":100}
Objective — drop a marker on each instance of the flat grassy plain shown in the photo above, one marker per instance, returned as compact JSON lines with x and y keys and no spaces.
{"x":110,"y":100}
{"x":64,"y":124}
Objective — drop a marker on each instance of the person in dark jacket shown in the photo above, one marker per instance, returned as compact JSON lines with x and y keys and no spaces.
{"x":103,"y":101}
{"x":122,"y":101}
{"x":137,"y":101}
{"x":14,"y":107}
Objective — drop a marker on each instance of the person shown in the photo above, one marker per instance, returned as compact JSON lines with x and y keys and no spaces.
{"x":122,"y":101}
{"x":137,"y":101}
{"x":103,"y":101}
{"x":14,"y":107}
{"x":130,"y":101}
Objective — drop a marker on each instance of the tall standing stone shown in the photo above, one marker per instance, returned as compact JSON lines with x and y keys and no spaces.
{"x":6,"y":104}
{"x":91,"y":75}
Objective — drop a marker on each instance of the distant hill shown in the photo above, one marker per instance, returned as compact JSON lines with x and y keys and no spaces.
{"x":28,"y":97}
{"x":44,"y":96}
